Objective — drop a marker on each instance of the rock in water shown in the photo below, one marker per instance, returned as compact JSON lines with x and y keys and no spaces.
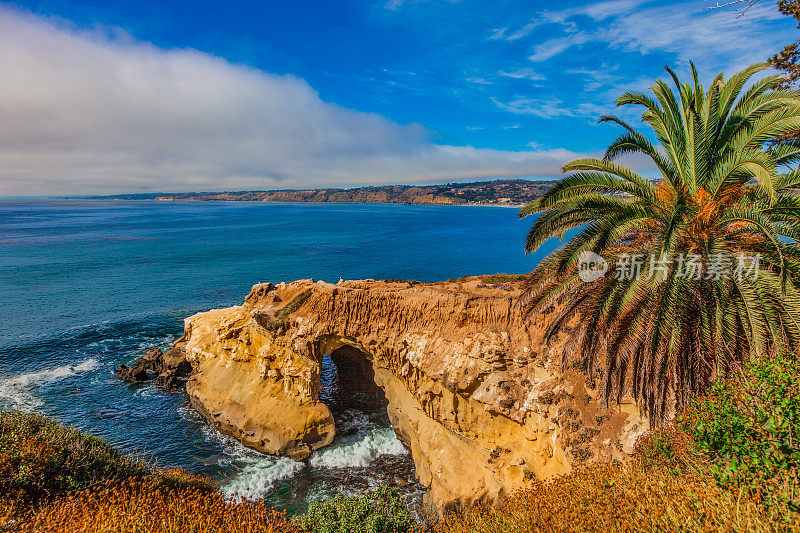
{"x":135,"y":374}
{"x":169,"y":367}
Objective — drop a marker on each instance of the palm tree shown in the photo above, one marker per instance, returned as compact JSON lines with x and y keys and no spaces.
{"x":703,"y":263}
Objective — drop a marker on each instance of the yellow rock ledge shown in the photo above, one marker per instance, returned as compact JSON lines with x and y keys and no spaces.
{"x":474,"y":394}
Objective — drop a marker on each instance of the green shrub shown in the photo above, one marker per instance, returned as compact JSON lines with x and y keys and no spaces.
{"x":378,"y":512}
{"x":749,"y":426}
{"x":496,"y":279}
{"x":39,"y":457}
{"x":293,"y":305}
{"x":671,"y":450}
{"x":272,"y":325}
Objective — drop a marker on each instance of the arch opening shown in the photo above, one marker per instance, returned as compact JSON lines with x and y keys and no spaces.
{"x":348,"y":382}
{"x":365,"y":454}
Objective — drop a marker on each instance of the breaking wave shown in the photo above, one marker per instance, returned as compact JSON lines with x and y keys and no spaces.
{"x":16,"y":392}
{"x":257,"y":478}
{"x":359,"y":451}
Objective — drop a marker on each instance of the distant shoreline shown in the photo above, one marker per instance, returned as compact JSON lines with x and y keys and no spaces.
{"x":514,"y":193}
{"x":289,"y":202}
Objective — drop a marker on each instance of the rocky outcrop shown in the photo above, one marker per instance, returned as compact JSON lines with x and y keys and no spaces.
{"x":483,"y":406}
{"x":168,"y":367}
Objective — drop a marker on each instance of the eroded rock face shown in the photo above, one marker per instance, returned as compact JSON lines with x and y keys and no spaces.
{"x":472,"y":391}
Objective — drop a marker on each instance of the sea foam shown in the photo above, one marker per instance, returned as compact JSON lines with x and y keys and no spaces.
{"x":257,"y":478}
{"x":16,"y":393}
{"x":360,"y":451}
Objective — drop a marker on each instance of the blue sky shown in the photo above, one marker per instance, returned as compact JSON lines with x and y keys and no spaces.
{"x":303,"y":93}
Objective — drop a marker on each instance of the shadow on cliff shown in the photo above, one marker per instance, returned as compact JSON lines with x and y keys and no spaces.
{"x":348,"y":383}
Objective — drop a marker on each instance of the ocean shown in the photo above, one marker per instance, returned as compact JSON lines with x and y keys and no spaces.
{"x":88,"y":284}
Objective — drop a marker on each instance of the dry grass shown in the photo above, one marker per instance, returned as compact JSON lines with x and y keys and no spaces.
{"x":148,"y":506}
{"x":56,"y":479}
{"x":604,"y":498}
{"x":666,"y":487}
{"x":613,"y":498}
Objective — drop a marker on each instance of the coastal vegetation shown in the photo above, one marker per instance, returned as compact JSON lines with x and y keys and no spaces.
{"x":702,"y":265}
{"x":379,"y":512}
{"x":729,"y":463}
{"x":56,"y":479}
{"x":748,"y":426}
{"x":139,"y":505}
{"x":496,"y":279}
{"x":279,"y":323}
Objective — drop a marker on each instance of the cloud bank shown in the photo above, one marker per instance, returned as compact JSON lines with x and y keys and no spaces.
{"x":91,"y":112}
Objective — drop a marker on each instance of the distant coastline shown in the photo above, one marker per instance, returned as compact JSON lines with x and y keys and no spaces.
{"x":506,"y":192}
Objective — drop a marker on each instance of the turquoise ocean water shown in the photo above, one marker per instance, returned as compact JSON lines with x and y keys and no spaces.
{"x":88,"y":284}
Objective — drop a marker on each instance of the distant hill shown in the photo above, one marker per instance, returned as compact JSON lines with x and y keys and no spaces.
{"x":497,"y":192}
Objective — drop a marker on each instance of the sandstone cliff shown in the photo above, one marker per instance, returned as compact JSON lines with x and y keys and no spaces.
{"x":496,"y":192}
{"x":481,"y":403}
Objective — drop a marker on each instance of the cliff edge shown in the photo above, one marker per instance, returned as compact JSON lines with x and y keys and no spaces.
{"x":474,"y":394}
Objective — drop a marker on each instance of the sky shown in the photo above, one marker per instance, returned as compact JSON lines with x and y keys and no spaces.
{"x":103,"y":97}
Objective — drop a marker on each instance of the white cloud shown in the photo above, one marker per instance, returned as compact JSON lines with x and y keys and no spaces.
{"x":549,"y":107}
{"x":553,"y":47}
{"x":717,"y":38}
{"x":497,"y":34}
{"x":522,"y":73}
{"x":605,"y":75}
{"x":524,"y":31}
{"x":398,"y":4}
{"x":603,"y":10}
{"x":597,"y":11}
{"x":89,"y":113}
{"x":691,"y":32}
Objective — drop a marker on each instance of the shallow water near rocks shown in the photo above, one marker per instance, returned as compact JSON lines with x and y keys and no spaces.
{"x":88,"y":284}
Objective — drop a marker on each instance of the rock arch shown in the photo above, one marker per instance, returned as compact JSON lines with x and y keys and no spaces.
{"x":470,"y":386}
